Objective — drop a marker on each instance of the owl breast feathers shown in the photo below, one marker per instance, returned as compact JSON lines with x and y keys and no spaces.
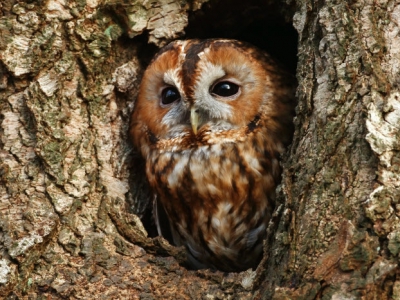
{"x":211,"y":119}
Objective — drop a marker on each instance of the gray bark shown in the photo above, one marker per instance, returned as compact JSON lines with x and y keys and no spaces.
{"x":72,"y":189}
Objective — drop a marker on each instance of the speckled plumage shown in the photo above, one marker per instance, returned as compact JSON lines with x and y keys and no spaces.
{"x":215,"y":183}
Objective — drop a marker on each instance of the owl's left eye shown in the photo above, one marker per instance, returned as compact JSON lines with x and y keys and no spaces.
{"x":225,"y":89}
{"x":169,"y":94}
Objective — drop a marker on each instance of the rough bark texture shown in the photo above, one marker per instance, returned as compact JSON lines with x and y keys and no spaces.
{"x":72,"y":190}
{"x":339,"y":235}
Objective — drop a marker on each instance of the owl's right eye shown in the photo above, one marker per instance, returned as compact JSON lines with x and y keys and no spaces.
{"x":169,"y":94}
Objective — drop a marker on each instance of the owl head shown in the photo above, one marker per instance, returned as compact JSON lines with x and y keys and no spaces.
{"x":195,"y":88}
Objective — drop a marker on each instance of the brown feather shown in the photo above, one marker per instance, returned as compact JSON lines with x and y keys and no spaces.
{"x":217,"y":186}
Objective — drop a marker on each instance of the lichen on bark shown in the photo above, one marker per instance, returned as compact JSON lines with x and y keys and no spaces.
{"x":72,"y":189}
{"x":332,"y":192}
{"x":69,"y":184}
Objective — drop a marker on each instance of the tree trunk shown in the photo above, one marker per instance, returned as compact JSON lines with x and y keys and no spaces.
{"x":73,"y":191}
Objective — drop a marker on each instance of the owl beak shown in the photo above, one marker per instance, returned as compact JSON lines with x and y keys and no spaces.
{"x":194,"y":119}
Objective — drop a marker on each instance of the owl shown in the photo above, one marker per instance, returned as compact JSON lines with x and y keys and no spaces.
{"x":211,"y":120}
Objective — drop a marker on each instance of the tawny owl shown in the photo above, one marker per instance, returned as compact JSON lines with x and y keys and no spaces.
{"x":211,"y":120}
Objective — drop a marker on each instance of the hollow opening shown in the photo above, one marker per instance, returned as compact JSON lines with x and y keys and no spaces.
{"x":265,"y":24}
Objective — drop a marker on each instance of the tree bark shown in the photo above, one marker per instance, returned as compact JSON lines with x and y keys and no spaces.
{"x":72,"y":189}
{"x":339,"y":235}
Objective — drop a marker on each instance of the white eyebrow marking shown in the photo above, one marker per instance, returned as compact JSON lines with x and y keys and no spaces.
{"x":171,"y":77}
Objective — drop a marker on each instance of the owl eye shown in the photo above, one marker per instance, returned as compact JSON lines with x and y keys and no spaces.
{"x":225,"y":89}
{"x":169,"y":94}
